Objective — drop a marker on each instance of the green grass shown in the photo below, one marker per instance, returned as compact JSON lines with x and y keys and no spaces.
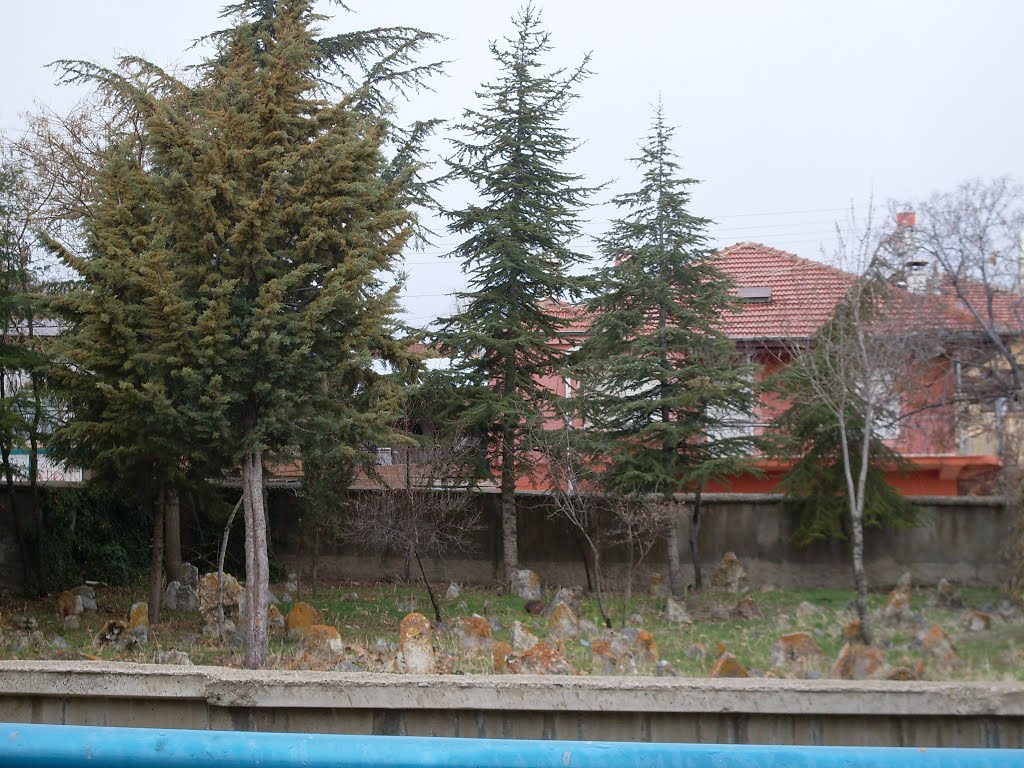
{"x":376,"y":610}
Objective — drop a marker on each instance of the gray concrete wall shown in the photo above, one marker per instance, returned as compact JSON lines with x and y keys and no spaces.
{"x":960,"y":538}
{"x":818,"y":712}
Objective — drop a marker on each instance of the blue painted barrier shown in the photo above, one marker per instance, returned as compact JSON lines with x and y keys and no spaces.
{"x":43,"y":746}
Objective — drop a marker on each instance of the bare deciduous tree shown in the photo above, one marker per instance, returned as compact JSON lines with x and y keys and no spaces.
{"x":425,"y":507}
{"x":639,"y":523}
{"x":853,"y":373}
{"x":570,"y":485}
{"x":973,"y":237}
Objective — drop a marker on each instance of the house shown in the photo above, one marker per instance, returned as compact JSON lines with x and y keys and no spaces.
{"x":784,"y":299}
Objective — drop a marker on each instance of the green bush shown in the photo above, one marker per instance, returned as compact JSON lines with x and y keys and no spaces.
{"x":93,"y":534}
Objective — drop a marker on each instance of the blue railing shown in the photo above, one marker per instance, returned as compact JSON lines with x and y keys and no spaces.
{"x":42,"y":746}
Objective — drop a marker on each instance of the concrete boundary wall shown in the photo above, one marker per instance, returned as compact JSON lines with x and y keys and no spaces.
{"x":963,"y":539}
{"x":758,"y":711}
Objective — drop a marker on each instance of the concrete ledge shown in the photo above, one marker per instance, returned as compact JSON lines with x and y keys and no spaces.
{"x":232,"y":688}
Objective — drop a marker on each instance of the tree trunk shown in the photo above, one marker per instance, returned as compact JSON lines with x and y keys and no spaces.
{"x":698,"y":579}
{"x":257,"y":575}
{"x":172,"y":536}
{"x":509,"y":529}
{"x":585,"y":554}
{"x":27,"y":573}
{"x":220,"y":568}
{"x":859,"y":576}
{"x":315,"y":575}
{"x":430,"y":590}
{"x":33,"y":457}
{"x":33,"y":478}
{"x":599,"y":582}
{"x":156,"y":559}
{"x":675,"y":568}
{"x":627,"y":592}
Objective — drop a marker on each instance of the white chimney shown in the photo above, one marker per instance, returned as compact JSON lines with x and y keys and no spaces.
{"x":915,"y":266}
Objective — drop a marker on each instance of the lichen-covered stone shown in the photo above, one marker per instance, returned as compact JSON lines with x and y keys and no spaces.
{"x":947,"y":595}
{"x":69,"y":604}
{"x":746,"y":609}
{"x":935,"y":641}
{"x":563,"y":624}
{"x":729,"y":574}
{"x":728,"y":665}
{"x":570,"y":596}
{"x":473,"y":633}
{"x":233,"y":594}
{"x":116,"y":633}
{"x":657,"y":585}
{"x":542,"y":659}
{"x":275,"y":620}
{"x":416,"y":645}
{"x":896,"y":609}
{"x":608,"y":660}
{"x":645,"y":649}
{"x":859,"y":662}
{"x":138,"y":616}
{"x":522,"y":638}
{"x":302,"y":616}
{"x":797,"y":649}
{"x":978,"y":621}
{"x":501,"y":652}
{"x":323,"y":637}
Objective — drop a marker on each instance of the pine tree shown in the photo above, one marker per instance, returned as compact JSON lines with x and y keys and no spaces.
{"x":262,"y":226}
{"x":517,"y":251}
{"x":658,"y":374}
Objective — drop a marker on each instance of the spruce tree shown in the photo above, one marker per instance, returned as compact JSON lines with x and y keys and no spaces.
{"x":658,"y":375}
{"x":517,"y":251}
{"x":263,"y":224}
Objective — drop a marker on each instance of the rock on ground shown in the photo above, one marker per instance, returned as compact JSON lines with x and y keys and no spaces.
{"x":675,"y":611}
{"x":473,"y":633}
{"x":416,"y":645}
{"x":729,"y":574}
{"x":859,"y":662}
{"x":525,"y":584}
{"x":522,"y":638}
{"x":570,"y":596}
{"x":302,"y":616}
{"x":728,"y":665}
{"x":173,"y":657}
{"x":562,"y":623}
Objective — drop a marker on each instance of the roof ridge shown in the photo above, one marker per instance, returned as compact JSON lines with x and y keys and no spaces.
{"x":791,"y":256}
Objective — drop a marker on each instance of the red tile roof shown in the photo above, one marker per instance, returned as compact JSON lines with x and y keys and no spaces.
{"x":805,"y":293}
{"x":1006,"y":313}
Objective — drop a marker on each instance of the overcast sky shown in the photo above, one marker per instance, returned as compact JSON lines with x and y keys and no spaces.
{"x":789,"y":111}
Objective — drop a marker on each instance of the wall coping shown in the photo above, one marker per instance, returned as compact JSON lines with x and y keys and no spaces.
{"x":226,"y":687}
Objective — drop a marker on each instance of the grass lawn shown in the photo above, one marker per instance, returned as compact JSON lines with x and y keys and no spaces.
{"x":367,"y":617}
